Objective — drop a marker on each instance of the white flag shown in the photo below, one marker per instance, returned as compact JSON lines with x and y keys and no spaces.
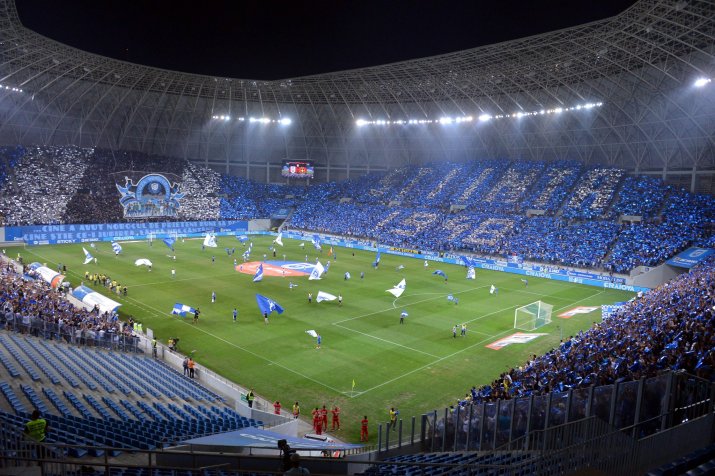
{"x":210,"y":240}
{"x":278,"y":239}
{"x":318,"y":270}
{"x":312,"y":333}
{"x":398,"y":289}
{"x":325,"y":297}
{"x":87,"y":256}
{"x":471,"y":274}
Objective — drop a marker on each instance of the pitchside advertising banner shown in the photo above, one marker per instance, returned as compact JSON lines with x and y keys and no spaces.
{"x":511,"y":266}
{"x":54,"y":234}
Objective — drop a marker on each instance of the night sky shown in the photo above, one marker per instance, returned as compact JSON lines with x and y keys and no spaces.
{"x":264,"y":39}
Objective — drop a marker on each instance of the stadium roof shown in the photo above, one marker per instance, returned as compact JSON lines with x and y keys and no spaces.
{"x":640,"y":64}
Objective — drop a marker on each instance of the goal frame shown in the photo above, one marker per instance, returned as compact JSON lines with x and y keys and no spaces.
{"x":540,"y":318}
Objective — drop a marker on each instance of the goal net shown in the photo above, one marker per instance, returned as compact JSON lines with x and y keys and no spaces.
{"x":532,"y":316}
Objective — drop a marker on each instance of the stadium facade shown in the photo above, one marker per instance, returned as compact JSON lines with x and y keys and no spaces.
{"x":641,"y":65}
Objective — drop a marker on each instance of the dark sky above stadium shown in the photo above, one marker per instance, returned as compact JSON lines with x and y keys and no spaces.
{"x":266,"y":39}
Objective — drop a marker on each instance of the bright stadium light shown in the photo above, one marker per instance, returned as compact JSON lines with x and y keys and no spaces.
{"x":700,"y":82}
{"x":285,"y":121}
{"x":458,"y":120}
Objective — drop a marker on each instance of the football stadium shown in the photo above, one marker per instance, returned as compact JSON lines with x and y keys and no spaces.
{"x":498,"y":260}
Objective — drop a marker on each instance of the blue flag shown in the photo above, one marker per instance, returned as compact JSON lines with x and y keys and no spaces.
{"x":439,"y":272}
{"x":467,"y":261}
{"x":259,"y":274}
{"x":267,"y":305}
{"x":242,"y":238}
{"x":169,"y":242}
{"x":182,"y":309}
{"x":377,"y":259}
{"x":116,"y":247}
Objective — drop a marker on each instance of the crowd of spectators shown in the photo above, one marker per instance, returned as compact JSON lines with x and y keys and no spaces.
{"x":508,"y":192}
{"x":553,"y":186}
{"x":593,"y":194}
{"x":38,"y":189}
{"x":553,"y":240}
{"x":669,"y":328}
{"x":641,"y":196}
{"x":478,"y":206}
{"x":647,"y":245}
{"x":31,"y":306}
{"x":200,"y":186}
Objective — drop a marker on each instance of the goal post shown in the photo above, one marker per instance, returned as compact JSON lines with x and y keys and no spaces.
{"x":532,"y":316}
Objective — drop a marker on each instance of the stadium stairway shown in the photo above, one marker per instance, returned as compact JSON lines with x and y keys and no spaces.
{"x":99,"y":398}
{"x":472,"y":463}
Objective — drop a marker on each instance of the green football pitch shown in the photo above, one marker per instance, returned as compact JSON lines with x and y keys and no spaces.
{"x":415,"y":367}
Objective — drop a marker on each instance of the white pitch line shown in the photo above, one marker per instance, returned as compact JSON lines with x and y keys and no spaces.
{"x":467,"y":348}
{"x":388,"y":341}
{"x":174,"y":280}
{"x":255,"y":354}
{"x":406,"y":305}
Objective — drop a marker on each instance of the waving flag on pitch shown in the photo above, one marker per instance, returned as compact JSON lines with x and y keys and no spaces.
{"x":116,"y":247}
{"x":404,"y":314}
{"x":259,"y":274}
{"x":322,"y":296}
{"x":210,"y":240}
{"x":471,"y":274}
{"x":439,"y":272}
{"x":182,"y":309}
{"x":169,"y":242}
{"x":312,"y":333}
{"x":87,"y":256}
{"x":316,"y":242}
{"x":467,"y":261}
{"x":327,"y":266}
{"x":242,"y":238}
{"x":398,"y":289}
{"x":279,"y":239}
{"x":318,"y":271}
{"x":377,"y":260}
{"x":302,"y":245}
{"x":267,"y":305}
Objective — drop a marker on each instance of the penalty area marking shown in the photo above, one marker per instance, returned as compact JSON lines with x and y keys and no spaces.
{"x":430,"y":299}
{"x":469,"y":347}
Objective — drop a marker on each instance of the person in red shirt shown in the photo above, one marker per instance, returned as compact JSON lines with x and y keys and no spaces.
{"x":316,"y":418}
{"x":318,"y":424}
{"x":277,"y":408}
{"x":324,"y":416}
{"x":363,"y":429}
{"x":336,"y":417}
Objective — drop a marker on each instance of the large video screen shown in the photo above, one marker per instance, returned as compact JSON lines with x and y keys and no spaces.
{"x":297,"y":169}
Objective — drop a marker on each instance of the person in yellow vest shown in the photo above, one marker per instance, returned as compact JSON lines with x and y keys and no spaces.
{"x":153,"y":347}
{"x":249,"y":398}
{"x":36,"y":428}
